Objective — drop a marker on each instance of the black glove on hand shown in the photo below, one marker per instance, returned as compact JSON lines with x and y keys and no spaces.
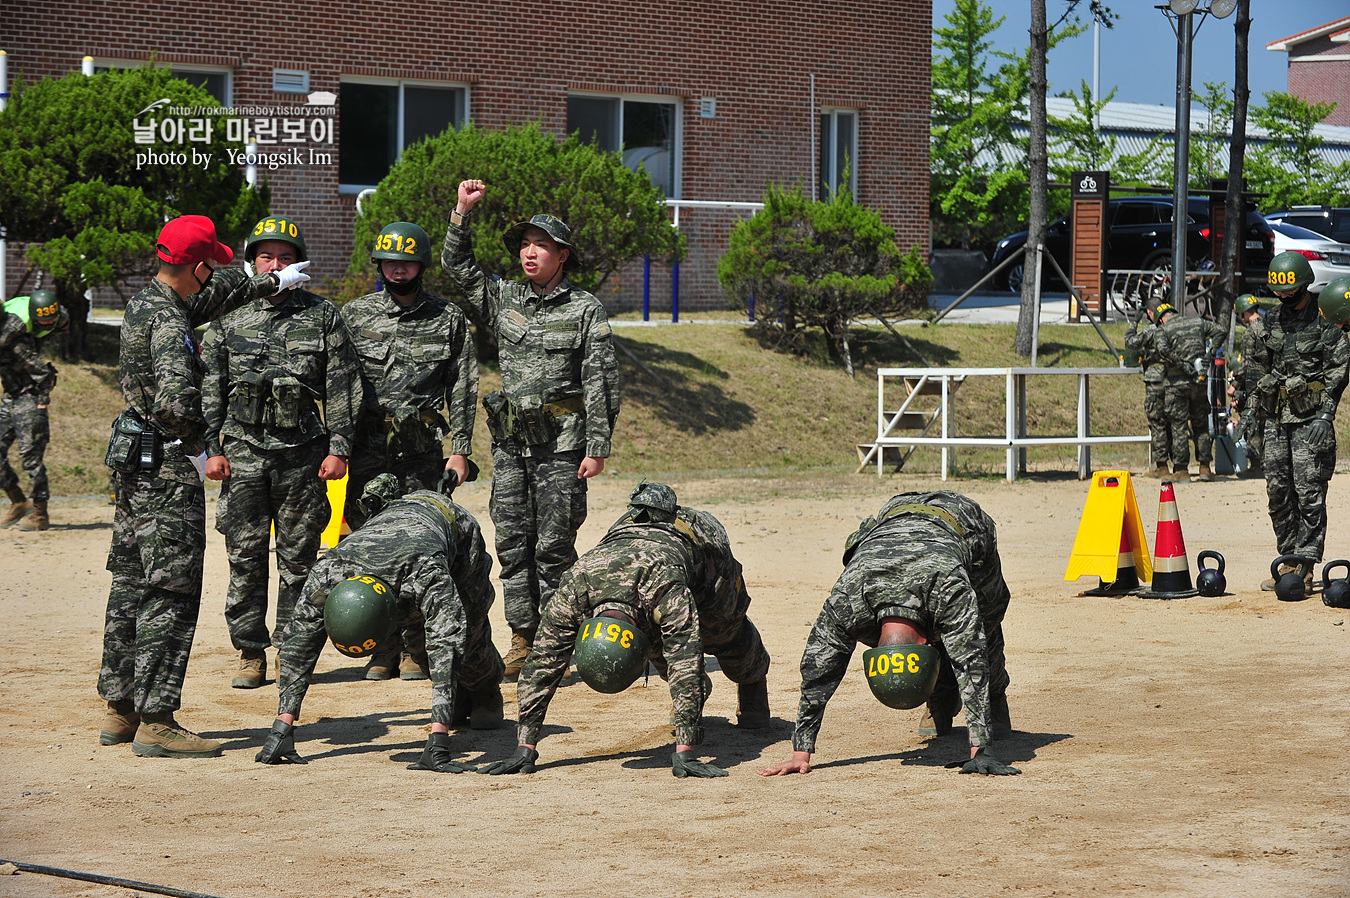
{"x":984,"y":762}
{"x":520,"y":762}
{"x":436,"y":756}
{"x":280,"y":746}
{"x":686,"y":763}
{"x":1321,"y":435}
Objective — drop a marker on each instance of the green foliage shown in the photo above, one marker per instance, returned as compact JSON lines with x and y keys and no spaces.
{"x":819,"y":264}
{"x":616,"y":215}
{"x":70,"y":183}
{"x":1291,"y":167}
{"x":1209,"y":145}
{"x":1075,"y":144}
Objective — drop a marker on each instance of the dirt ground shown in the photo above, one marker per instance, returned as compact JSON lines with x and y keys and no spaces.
{"x":1184,"y":748}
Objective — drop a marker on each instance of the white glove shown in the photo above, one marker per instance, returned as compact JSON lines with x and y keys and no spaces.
{"x":199,"y":462}
{"x":291,"y":275}
{"x":1199,"y":363}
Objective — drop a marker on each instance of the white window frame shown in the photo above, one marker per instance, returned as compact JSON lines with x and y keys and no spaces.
{"x":677,"y":151}
{"x":401,"y":84}
{"x":832,"y":114}
{"x":107,"y":62}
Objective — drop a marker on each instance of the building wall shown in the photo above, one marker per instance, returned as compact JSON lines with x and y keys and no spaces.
{"x":520,"y":60}
{"x":1319,"y":72}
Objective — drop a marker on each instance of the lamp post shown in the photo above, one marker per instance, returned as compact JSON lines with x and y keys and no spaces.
{"x":1180,"y":13}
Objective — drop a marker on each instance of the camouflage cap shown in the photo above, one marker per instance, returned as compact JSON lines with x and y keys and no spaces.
{"x":379,"y":492}
{"x":556,"y":229}
{"x":654,"y":495}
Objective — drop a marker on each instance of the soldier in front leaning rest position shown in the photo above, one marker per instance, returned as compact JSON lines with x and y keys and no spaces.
{"x":269,"y":365}
{"x":28,"y":381}
{"x":552,"y":421}
{"x":1188,"y":345}
{"x":1297,"y":372}
{"x":417,"y":357}
{"x":157,"y":451}
{"x":420,"y":554}
{"x":925,"y":571}
{"x":663,"y":584}
{"x":1144,"y":344}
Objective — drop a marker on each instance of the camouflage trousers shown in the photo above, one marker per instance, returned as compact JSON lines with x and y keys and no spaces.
{"x":1187,"y":411}
{"x":1296,"y":489}
{"x":265,"y":487}
{"x":946,"y":698}
{"x":23,"y":422}
{"x":159,"y":539}
{"x":1160,"y":434}
{"x":369,"y":460}
{"x":538,"y":504}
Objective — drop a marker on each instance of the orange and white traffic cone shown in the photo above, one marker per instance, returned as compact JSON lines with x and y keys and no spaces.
{"x":1126,"y":579}
{"x":1171,"y":569}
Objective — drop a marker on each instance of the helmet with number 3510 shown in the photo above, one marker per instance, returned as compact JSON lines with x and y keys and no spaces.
{"x":359,"y":614}
{"x":402,"y":241}
{"x":901,"y":676}
{"x":274,"y":228}
{"x":610,"y":654}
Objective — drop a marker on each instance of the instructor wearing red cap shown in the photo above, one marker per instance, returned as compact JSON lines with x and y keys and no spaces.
{"x":159,"y":528}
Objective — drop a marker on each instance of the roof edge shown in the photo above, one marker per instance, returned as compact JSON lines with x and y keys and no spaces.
{"x":1285,"y":43}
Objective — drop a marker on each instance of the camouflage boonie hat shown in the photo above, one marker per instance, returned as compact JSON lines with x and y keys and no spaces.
{"x":656,"y":496}
{"x":555,"y":227}
{"x":379,"y":492}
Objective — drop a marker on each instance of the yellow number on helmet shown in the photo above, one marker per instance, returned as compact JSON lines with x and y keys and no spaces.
{"x":627,"y":640}
{"x":913,"y":660}
{"x":612,"y":632}
{"x":411,"y":246}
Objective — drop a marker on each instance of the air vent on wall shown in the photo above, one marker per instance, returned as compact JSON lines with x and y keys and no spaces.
{"x":290,"y":81}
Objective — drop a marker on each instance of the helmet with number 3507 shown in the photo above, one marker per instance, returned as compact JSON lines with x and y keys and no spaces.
{"x":274,"y":228}
{"x":359,"y":614}
{"x":1289,"y":271}
{"x":402,"y":241}
{"x":610,"y":654}
{"x":901,"y":676}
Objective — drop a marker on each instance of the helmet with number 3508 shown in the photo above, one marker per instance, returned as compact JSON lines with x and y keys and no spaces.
{"x":359,"y":614}
{"x":402,"y":241}
{"x":610,"y":654}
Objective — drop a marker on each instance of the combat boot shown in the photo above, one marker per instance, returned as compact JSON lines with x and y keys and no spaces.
{"x":252,"y":671}
{"x":38,"y":520}
{"x":160,"y":736}
{"x":381,"y":666}
{"x":1159,"y":472}
{"x":1179,"y":474}
{"x":752,"y":700}
{"x":413,"y":667}
{"x":485,"y":708}
{"x":515,"y":658}
{"x":19,"y":506}
{"x":119,"y":724}
{"x":934,"y":725}
{"x":1000,"y":720}
{"x":1205,"y":475}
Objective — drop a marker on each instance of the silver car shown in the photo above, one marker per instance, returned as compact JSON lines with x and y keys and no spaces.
{"x":1329,"y":259}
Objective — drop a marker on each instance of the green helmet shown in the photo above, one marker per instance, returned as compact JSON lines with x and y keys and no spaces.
{"x":901,"y":676}
{"x":402,"y":241}
{"x":359,"y":614}
{"x":610,"y":654}
{"x":1245,"y":303}
{"x":282,"y":229}
{"x":43,"y":311}
{"x":657,"y":499}
{"x":1335,"y":301}
{"x":1162,"y":309}
{"x":1289,"y":271}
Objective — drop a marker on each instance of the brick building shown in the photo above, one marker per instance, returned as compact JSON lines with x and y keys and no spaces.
{"x":717,"y":99}
{"x":1319,"y":66}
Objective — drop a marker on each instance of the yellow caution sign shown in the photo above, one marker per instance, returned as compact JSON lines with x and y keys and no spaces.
{"x":337,"y":525}
{"x":1110,"y":522}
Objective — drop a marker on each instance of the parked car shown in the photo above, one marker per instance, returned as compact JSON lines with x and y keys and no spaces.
{"x":1329,"y":221}
{"x":1140,"y":237}
{"x":1329,"y":259}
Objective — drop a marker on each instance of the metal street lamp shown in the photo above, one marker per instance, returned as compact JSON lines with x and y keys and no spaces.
{"x":1180,"y":14}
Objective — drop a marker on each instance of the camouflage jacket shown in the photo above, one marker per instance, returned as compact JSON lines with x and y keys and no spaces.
{"x":1144,"y":344}
{"x":551,"y":347}
{"x":911,"y":565}
{"x":22,"y":368}
{"x":420,"y":357}
{"x":1239,"y":369}
{"x":1297,"y":352}
{"x":1182,"y":340}
{"x":675,"y":581}
{"x":159,"y":370}
{"x":302,"y":337}
{"x":418,"y":551}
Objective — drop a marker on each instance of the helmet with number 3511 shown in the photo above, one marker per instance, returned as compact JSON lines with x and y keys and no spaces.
{"x":359,"y":614}
{"x":274,"y":228}
{"x":610,"y":654}
{"x":402,"y":241}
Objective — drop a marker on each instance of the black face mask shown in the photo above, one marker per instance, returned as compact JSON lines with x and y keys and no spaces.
{"x":1294,"y":298}
{"x":405,"y":289}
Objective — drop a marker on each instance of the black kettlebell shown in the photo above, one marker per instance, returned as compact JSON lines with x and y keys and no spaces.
{"x":1210,"y":581}
{"x":1290,"y":587}
{"x":1336,"y":593}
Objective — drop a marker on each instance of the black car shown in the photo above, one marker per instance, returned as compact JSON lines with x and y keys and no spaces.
{"x":1140,"y":237}
{"x":1332,"y":221}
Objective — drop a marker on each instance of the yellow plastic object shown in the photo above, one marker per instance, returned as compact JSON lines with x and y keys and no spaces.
{"x":337,"y":525}
{"x":1110,"y":510}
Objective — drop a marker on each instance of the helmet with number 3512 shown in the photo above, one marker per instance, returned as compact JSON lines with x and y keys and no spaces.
{"x":274,"y":228}
{"x":402,"y":241}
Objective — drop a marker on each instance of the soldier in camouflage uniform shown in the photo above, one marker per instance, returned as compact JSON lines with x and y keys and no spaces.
{"x":28,"y":380}
{"x":159,"y":526}
{"x":928,"y":562}
{"x":1144,"y":344}
{"x":669,"y":571}
{"x":552,"y":423}
{"x":430,"y":552}
{"x":1298,"y":370}
{"x":268,"y":366}
{"x":417,"y":357}
{"x":1181,"y":341}
{"x":1250,"y":423}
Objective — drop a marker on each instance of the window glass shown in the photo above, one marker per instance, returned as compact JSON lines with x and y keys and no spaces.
{"x":838,"y":150}
{"x":1138,"y":214}
{"x":217,"y":84}
{"x":368,"y":116}
{"x":649,"y":141}
{"x":428,"y":111}
{"x":597,"y":120}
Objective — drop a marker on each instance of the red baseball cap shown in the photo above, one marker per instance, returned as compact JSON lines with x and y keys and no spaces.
{"x":190,"y":239}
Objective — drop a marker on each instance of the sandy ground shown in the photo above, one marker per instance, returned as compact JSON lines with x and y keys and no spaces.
{"x":1189,"y":748}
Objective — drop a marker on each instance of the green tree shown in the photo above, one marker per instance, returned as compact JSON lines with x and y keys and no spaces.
{"x":1291,"y":167}
{"x":1076,"y":144}
{"x":977,"y":169}
{"x":1209,"y":145}
{"x":819,"y":264}
{"x":72,"y":187}
{"x":616,"y":214}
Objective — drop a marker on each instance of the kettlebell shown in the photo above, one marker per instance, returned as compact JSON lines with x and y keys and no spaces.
{"x":1290,"y":587}
{"x":1210,"y":581}
{"x":1336,"y":593}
